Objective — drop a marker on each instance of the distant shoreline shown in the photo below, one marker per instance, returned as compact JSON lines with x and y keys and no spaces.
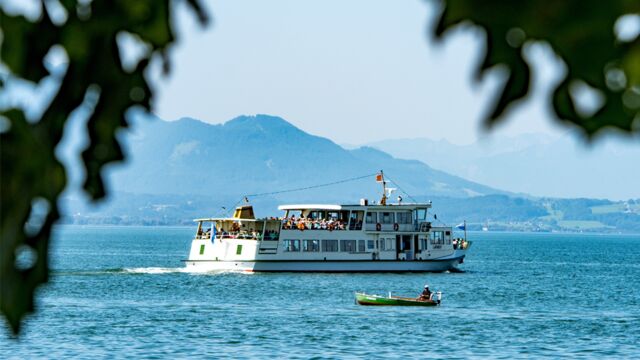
{"x":178,"y":226}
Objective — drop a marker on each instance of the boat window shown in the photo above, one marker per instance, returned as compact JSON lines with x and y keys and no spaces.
{"x":361,"y":246}
{"x":355,"y":222}
{"x":369,"y":244}
{"x":199,"y":231}
{"x":437,"y":237}
{"x":421,"y":214}
{"x":372,"y":218}
{"x":423,"y":243}
{"x":291,"y":245}
{"x":311,"y":245}
{"x":403,"y":218}
{"x":330,"y":245}
{"x":348,"y":245}
{"x":270,"y":235}
{"x":387,"y":217}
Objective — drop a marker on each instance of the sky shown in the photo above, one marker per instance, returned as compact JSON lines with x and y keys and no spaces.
{"x":353,"y":71}
{"x":356,"y":72}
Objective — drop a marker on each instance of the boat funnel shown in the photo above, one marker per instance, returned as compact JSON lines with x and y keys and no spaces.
{"x":244,"y":212}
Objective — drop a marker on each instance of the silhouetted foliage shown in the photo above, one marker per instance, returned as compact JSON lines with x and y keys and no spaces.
{"x":581,"y":32}
{"x":94,"y":80}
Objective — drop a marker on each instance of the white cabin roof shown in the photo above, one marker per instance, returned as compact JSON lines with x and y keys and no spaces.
{"x":377,"y":207}
{"x":235,"y":219}
{"x":310,"y":206}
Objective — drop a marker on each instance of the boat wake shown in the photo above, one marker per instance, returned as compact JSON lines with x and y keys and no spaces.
{"x":145,"y":271}
{"x":154,"y":270}
{"x":162,"y":270}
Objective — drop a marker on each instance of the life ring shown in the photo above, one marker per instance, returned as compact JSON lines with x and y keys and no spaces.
{"x":396,"y":227}
{"x":378,"y":227}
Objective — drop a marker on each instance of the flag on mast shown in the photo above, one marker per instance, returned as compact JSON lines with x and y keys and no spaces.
{"x":462,"y":226}
{"x":379,"y":178}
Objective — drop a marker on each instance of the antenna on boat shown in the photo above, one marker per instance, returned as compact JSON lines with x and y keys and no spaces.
{"x":380,"y":178}
{"x":465,"y":230}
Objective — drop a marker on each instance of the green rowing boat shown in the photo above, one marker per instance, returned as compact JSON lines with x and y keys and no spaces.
{"x":366,"y":299}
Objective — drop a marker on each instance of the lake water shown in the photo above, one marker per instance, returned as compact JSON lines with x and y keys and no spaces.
{"x":121,"y":292}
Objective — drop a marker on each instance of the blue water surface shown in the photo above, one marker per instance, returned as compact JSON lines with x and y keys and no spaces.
{"x":121,"y":292}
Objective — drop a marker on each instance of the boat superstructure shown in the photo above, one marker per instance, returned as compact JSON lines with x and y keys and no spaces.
{"x":328,"y":238}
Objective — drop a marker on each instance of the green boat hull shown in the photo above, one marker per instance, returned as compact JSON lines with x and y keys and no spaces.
{"x":366,"y":299}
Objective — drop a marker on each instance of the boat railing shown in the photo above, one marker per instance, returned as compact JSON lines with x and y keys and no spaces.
{"x":256,"y":235}
{"x":203,"y":236}
{"x":355,"y":225}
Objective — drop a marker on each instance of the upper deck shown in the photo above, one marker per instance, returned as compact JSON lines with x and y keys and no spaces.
{"x":375,"y":218}
{"x":389,"y":217}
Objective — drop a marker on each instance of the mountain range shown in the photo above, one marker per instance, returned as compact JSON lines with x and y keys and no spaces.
{"x":183,"y":169}
{"x":533,"y":164}
{"x":258,"y":154}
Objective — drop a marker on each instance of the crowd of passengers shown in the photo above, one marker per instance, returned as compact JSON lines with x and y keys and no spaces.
{"x":460,"y":243}
{"x":302,"y":223}
{"x":239,"y":234}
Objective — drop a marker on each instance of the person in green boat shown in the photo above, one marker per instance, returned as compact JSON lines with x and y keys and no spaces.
{"x":426,"y":294}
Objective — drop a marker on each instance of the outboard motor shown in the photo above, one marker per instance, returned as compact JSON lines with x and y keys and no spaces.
{"x":439,"y":296}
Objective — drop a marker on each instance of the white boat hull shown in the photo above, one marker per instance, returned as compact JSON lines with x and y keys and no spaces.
{"x":326,"y":266}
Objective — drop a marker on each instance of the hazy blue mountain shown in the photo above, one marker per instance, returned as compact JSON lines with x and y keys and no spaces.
{"x":181,"y":170}
{"x":258,"y":154}
{"x":533,"y":164}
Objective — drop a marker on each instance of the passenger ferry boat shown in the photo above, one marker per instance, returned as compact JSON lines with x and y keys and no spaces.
{"x":328,"y":238}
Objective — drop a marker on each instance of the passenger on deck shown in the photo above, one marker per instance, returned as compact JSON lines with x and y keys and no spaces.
{"x":426,"y":294}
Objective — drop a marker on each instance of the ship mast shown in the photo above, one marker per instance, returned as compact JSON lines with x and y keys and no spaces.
{"x":380,"y":178}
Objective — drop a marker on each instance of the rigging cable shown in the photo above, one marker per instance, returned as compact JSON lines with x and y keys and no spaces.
{"x":413,"y":199}
{"x":244,"y":197}
{"x":401,"y":189}
{"x":313,"y":186}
